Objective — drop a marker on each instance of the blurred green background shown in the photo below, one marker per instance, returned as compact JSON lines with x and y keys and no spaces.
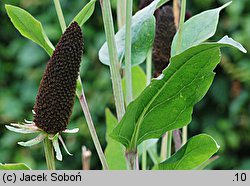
{"x":224,"y":112}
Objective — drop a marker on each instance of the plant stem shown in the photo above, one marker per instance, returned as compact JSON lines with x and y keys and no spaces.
{"x":177,"y":139}
{"x":49,"y":154}
{"x":184,"y":135}
{"x":149,"y":66}
{"x":154,"y":156}
{"x":169,"y":144}
{"x":149,"y":76}
{"x":181,"y":23}
{"x":92,"y":130}
{"x":113,"y":56}
{"x":82,"y":100}
{"x":176,"y":10}
{"x":179,"y":40}
{"x":144,"y":156}
{"x":132,"y":160}
{"x":164,"y":146}
{"x":60,"y":15}
{"x":128,"y":41}
{"x":121,"y":13}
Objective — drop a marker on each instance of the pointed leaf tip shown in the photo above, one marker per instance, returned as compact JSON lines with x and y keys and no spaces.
{"x":229,"y":41}
{"x":225,"y":5}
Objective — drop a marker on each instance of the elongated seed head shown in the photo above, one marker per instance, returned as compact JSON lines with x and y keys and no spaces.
{"x":165,"y":31}
{"x":56,"y":94}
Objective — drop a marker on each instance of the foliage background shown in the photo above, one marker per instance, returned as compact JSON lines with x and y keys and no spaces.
{"x":223,"y":113}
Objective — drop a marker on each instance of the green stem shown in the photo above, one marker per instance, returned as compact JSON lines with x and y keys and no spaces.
{"x":128,"y":41}
{"x":181,"y":23}
{"x":169,"y":144}
{"x":60,"y":15}
{"x":179,"y":40}
{"x":164,"y":146}
{"x":144,"y":156}
{"x":121,"y":13}
{"x":149,"y":66}
{"x":132,"y":160}
{"x":113,"y":56}
{"x":149,"y":76}
{"x":92,"y":130}
{"x":154,"y":156}
{"x":49,"y":154}
{"x":184,"y":135}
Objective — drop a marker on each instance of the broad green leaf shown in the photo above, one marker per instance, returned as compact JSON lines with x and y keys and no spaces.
{"x":197,"y":29}
{"x":14,"y":166}
{"x":139,"y":81}
{"x":114,"y":152}
{"x":196,"y":151}
{"x":29,"y":27}
{"x":85,"y":13}
{"x":143,"y":32}
{"x":167,"y":103}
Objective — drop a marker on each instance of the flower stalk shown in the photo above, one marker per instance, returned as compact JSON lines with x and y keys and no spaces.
{"x":113,"y":56}
{"x":92,"y":130}
{"x":128,"y":41}
{"x":179,"y":40}
{"x":49,"y":154}
{"x":60,"y":15}
{"x":121,"y":13}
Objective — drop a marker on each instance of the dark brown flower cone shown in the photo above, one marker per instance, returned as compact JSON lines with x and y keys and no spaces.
{"x":56,"y":94}
{"x":164,"y":34}
{"x":165,"y":31}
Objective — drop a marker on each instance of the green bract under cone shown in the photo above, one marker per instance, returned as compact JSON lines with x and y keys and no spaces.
{"x":55,"y":99}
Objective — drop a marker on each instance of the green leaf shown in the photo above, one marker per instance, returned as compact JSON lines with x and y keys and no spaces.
{"x":167,"y":103}
{"x":14,"y":166}
{"x":143,"y":32}
{"x":29,"y":27}
{"x":114,"y":152}
{"x":196,"y":151}
{"x":139,"y":81}
{"x":85,"y":13}
{"x":197,"y":29}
